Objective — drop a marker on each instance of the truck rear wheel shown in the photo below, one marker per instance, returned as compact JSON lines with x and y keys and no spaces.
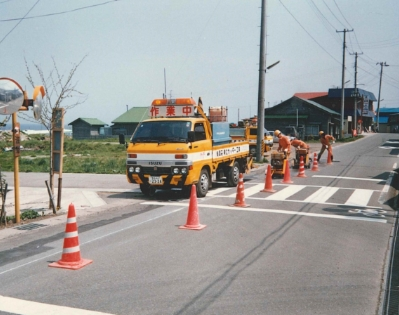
{"x":233,"y":175}
{"x":252,"y":150}
{"x":203,"y":183}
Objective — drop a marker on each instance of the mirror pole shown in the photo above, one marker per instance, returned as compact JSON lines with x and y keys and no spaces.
{"x":16,"y":169}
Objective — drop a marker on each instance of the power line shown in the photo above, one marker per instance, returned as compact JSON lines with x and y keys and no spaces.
{"x":342,"y":14}
{"x":333,"y":13}
{"x":307,"y":32}
{"x":323,"y":19}
{"x":58,"y":13}
{"x":19,"y":21}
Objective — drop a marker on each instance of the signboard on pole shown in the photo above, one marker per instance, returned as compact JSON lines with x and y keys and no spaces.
{"x":366,"y":105}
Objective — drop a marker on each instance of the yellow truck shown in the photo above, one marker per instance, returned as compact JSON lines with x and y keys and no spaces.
{"x":179,"y":146}
{"x":250,"y":134}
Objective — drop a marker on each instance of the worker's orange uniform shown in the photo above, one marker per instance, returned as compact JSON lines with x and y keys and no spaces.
{"x":299,"y":144}
{"x":325,"y":144}
{"x":284,"y":144}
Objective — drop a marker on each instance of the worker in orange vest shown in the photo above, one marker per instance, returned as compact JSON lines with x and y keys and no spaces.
{"x":325,"y":141}
{"x":284,"y":143}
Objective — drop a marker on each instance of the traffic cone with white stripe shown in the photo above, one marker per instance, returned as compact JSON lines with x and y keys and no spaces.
{"x":301,"y":172}
{"x":240,"y":199}
{"x":192,"y":216}
{"x":70,"y":258}
{"x":315,"y":167}
{"x":268,"y":182}
{"x":287,"y":176}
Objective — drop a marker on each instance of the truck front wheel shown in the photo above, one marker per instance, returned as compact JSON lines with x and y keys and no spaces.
{"x":203,"y":183}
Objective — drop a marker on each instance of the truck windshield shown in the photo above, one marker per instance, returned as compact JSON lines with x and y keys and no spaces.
{"x":161,"y":131}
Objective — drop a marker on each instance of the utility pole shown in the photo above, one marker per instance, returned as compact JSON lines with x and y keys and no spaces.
{"x":261,"y":88}
{"x":343,"y":81}
{"x":382,"y":64}
{"x":355,"y":93}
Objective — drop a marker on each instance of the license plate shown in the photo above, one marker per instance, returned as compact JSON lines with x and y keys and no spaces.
{"x":156,"y":180}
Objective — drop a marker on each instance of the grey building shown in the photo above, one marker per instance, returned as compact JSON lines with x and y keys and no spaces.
{"x":308,"y":116}
{"x":127,"y":122}
{"x":86,"y":128}
{"x":388,"y":120}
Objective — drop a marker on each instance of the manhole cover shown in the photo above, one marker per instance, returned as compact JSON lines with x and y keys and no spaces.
{"x":30,"y":226}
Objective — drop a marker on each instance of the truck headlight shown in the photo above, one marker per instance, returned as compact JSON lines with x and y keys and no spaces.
{"x":176,"y":170}
{"x":131,"y":169}
{"x":137,"y":169}
{"x":184,"y":170}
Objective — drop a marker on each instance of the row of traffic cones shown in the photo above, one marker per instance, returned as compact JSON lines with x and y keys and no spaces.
{"x":71,"y":258}
{"x":287,"y":176}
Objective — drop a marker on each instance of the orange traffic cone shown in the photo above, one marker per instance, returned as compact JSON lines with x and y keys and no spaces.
{"x":192,"y":216}
{"x":268,"y":181}
{"x":287,"y":176}
{"x":329,"y":161}
{"x":240,"y":199}
{"x":70,"y":258}
{"x":315,"y":167}
{"x":301,"y":172}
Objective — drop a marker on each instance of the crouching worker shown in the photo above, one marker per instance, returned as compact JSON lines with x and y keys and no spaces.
{"x":299,"y":144}
{"x":284,"y":144}
{"x":325,"y":141}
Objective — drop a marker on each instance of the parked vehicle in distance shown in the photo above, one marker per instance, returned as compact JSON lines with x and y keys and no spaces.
{"x":291,"y":132}
{"x":250,"y":133}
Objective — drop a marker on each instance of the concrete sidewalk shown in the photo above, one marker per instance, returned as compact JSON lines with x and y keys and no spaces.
{"x":81,"y":190}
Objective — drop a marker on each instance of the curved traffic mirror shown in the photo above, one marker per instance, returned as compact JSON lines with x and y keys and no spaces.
{"x":38,"y":94}
{"x":11,"y":96}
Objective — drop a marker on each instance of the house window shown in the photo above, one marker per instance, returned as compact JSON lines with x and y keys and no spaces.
{"x":312,"y":130}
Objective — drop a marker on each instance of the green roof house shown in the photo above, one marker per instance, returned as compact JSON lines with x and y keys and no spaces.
{"x":86,"y":128}
{"x":127,"y":122}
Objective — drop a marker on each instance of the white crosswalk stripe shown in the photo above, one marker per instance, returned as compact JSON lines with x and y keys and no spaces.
{"x":360,"y":198}
{"x":285,"y":193}
{"x":250,"y":190}
{"x":321,"y":195}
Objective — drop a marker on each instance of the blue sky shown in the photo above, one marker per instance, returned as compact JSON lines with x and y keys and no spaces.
{"x":206,"y":48}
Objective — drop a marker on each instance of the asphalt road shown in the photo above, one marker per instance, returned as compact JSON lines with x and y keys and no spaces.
{"x":317,"y":246}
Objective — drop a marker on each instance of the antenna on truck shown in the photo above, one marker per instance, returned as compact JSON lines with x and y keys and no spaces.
{"x":164,"y":79}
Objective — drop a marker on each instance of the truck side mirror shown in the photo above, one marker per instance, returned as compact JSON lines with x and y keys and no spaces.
{"x":191,"y":136}
{"x":121,"y":138}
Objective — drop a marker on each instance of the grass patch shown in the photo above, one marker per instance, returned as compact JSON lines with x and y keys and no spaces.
{"x":80,"y":156}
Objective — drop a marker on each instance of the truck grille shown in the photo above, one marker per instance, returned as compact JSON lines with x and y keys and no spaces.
{"x":155,"y":170}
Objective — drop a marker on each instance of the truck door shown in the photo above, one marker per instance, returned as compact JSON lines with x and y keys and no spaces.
{"x":202,"y":144}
